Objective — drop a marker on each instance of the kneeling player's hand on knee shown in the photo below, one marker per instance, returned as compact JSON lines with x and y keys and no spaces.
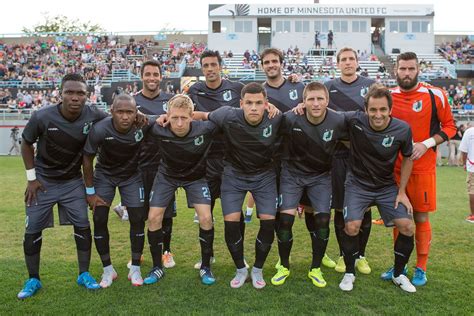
{"x":403,"y":199}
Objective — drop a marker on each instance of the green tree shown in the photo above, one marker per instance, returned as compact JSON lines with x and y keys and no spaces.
{"x":61,"y":24}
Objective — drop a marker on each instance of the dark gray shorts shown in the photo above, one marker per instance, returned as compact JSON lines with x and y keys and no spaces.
{"x":338,"y":175}
{"x":131,"y":190}
{"x":235,"y":186}
{"x":318,"y":189}
{"x":164,"y":187}
{"x":72,"y":205}
{"x":358,"y":199}
{"x":148,"y":177}
{"x":214,"y":169}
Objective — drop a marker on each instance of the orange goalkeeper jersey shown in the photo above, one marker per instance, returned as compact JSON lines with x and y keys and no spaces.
{"x":425,"y":119}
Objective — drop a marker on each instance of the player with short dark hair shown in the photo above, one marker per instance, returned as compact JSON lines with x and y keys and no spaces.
{"x":376,"y":140}
{"x":285,"y":95}
{"x":184,"y":147}
{"x":250,"y":136}
{"x":310,"y":142}
{"x":54,"y":177}
{"x":346,"y":93}
{"x":116,"y":141}
{"x":426,"y":109}
{"x":208,"y":96}
{"x":151,"y":100}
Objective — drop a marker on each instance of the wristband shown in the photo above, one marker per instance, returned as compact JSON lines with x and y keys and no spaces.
{"x":430,"y":142}
{"x":31,"y":174}
{"x":90,"y":191}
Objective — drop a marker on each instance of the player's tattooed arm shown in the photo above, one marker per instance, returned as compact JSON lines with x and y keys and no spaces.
{"x":27,"y":152}
{"x":407,"y":165}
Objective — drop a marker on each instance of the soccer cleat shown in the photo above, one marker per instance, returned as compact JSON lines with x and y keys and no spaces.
{"x":196,"y":218}
{"x":470,"y":218}
{"x":197,"y":265}
{"x":207,"y":277}
{"x":135,"y":277}
{"x":419,"y":277}
{"x":248,"y":218}
{"x":125,"y":215}
{"x":257,"y":278}
{"x":403,"y":282}
{"x":280,"y":277}
{"x":278,"y":265}
{"x":108,"y":277}
{"x":129,"y":263}
{"x":388,"y":275}
{"x":30,"y":288}
{"x":362,"y":265}
{"x":377,"y":221}
{"x":328,"y":262}
{"x":168,"y":261}
{"x":118,"y":209}
{"x":155,"y":275}
{"x":86,"y":280}
{"x":340,"y":265}
{"x":317,"y":277}
{"x":347,"y":283}
{"x":241,"y":276}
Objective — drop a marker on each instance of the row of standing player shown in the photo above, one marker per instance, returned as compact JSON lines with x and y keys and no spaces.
{"x":273,"y":76}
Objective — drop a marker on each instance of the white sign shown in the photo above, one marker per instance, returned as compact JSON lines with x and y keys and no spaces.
{"x":321,"y":10}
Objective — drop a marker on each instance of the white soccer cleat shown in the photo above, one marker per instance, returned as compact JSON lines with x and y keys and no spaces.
{"x":118,"y":209}
{"x":168,"y":260}
{"x":197,"y":265}
{"x":347,"y":283}
{"x":404,"y":283}
{"x":135,"y":277}
{"x":125,"y":215}
{"x":108,"y":277}
{"x":240,"y":277}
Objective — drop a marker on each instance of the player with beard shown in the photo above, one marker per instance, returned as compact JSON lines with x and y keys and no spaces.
{"x":208,"y":96}
{"x":426,"y":109}
{"x":285,"y":95}
{"x":347,"y":94}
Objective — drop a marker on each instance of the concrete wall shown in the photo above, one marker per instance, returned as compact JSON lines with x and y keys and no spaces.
{"x":422,"y":43}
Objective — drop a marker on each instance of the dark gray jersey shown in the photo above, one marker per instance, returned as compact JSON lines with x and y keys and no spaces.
{"x":208,"y":100}
{"x":344,"y":96}
{"x":373,"y":153}
{"x":184,"y":158}
{"x":149,"y":152}
{"x":117,"y":153}
{"x":248,"y":149}
{"x":309,"y":148}
{"x":286,"y":96}
{"x":60,"y":142}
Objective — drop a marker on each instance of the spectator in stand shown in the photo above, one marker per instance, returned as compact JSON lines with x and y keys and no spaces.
{"x":330,"y":38}
{"x":382,"y":70}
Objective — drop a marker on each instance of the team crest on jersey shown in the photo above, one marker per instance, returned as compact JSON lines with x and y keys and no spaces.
{"x":364,"y":91}
{"x":199,"y":140}
{"x":293,"y":94}
{"x":86,"y":128}
{"x":227,"y":95}
{"x":418,"y":106}
{"x":327,"y":136}
{"x":138,"y":135}
{"x":388,"y":141}
{"x":267,"y":132}
{"x":165,"y":106}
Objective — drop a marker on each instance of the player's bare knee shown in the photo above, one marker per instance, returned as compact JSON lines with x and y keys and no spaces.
{"x":352,"y":228}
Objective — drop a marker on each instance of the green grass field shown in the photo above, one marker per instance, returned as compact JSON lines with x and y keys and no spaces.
{"x":449,"y":289}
